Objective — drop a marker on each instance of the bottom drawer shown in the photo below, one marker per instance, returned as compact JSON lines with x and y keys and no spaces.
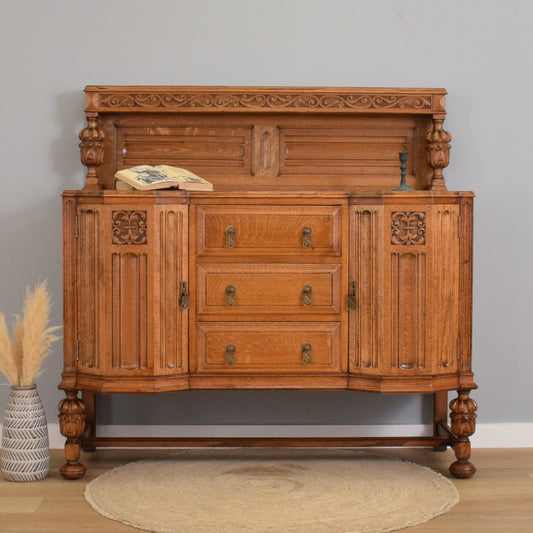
{"x":273,"y":347}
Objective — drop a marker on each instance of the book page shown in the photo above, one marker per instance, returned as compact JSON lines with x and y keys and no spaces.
{"x":180,"y":175}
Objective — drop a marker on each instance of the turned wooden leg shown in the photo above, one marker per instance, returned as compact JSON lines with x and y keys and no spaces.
{"x":440,"y":415}
{"x":463,"y":424}
{"x":89,"y":433}
{"x":72,"y":425}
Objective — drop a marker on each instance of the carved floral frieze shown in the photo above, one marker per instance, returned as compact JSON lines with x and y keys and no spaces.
{"x":264,"y":100}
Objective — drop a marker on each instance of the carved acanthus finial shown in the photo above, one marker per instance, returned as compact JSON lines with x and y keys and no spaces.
{"x":438,"y":146}
{"x":92,"y":151}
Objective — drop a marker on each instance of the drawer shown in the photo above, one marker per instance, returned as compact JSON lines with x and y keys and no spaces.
{"x":268,"y":230}
{"x":235,"y":289}
{"x":281,"y":347}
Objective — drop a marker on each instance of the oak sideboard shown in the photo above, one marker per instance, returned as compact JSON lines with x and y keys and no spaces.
{"x":305,"y":268}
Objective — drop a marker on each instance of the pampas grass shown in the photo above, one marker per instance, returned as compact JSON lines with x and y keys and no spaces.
{"x":8,"y":359}
{"x":21,"y":357}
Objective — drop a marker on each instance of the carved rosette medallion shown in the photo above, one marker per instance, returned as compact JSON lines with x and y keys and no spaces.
{"x":315,"y":101}
{"x":129,"y":227}
{"x":408,"y":227}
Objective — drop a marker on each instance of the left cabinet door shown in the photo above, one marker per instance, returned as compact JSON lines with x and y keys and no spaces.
{"x":131,"y":276}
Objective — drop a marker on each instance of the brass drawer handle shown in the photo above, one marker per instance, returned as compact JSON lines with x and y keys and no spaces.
{"x":230,"y":295}
{"x":307,"y":237}
{"x":230,"y":233}
{"x":307,"y":294}
{"x":230,"y":354}
{"x":307,"y":348}
{"x":352,"y":298}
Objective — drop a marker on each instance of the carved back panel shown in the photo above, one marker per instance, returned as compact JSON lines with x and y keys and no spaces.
{"x":269,"y":138}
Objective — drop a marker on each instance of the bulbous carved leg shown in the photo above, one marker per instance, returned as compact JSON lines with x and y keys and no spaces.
{"x":72,"y":425}
{"x":463,"y":424}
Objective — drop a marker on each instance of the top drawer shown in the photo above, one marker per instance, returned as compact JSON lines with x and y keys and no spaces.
{"x":268,"y":230}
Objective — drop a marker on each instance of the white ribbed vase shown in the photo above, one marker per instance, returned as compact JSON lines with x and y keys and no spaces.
{"x":25,"y":448}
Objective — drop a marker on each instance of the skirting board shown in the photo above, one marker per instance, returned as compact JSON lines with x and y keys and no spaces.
{"x":504,"y":435}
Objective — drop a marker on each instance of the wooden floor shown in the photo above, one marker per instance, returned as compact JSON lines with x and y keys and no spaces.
{"x":498,"y":499}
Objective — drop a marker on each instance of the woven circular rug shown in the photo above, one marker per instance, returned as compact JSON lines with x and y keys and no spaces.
{"x":282,"y":491}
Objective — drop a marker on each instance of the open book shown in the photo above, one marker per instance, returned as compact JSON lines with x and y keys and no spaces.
{"x":146,"y":177}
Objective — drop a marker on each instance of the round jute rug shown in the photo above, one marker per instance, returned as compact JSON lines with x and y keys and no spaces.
{"x":274,"y":491}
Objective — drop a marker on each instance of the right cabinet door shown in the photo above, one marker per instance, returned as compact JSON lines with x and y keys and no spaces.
{"x":404,"y":279}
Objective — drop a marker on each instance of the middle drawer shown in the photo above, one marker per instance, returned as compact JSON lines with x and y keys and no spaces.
{"x":233,"y":289}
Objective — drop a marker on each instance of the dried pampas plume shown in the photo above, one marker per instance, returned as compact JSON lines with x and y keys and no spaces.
{"x":22,"y":357}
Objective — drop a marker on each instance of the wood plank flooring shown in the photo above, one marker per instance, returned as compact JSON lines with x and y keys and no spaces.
{"x":498,"y":499}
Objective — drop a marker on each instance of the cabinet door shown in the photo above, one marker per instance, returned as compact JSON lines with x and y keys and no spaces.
{"x":405,"y":266}
{"x":131,"y":263}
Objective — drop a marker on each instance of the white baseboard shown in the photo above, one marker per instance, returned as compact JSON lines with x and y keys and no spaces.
{"x":505,"y":435}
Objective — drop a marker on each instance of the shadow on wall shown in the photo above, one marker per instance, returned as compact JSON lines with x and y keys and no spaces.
{"x":65,"y":150}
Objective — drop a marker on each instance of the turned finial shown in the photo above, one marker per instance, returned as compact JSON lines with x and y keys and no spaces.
{"x":438,"y":146}
{"x":92,"y":151}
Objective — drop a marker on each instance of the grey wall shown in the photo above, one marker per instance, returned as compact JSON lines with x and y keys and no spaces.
{"x":479,"y":50}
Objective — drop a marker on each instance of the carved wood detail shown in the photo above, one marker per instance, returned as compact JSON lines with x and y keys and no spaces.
{"x":92,"y":151}
{"x":70,"y":286}
{"x":129,"y":311}
{"x":71,"y":426}
{"x":206,"y":148}
{"x":465,"y":285}
{"x":129,"y":227}
{"x":255,"y":101}
{"x":365,"y":342}
{"x":173,"y":271}
{"x":266,"y":151}
{"x":88,"y":315}
{"x":463,"y":425}
{"x":438,"y":146}
{"x":408,"y":311}
{"x":445,"y":312}
{"x":408,"y":227}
